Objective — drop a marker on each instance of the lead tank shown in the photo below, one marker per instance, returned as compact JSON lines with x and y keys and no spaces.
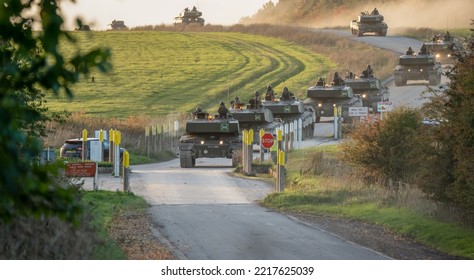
{"x":369,"y":23}
{"x":210,"y":137}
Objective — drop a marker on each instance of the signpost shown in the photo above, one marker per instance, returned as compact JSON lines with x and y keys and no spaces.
{"x":82,"y":169}
{"x":267,"y":140}
{"x":383,"y":107}
{"x":358,"y":111}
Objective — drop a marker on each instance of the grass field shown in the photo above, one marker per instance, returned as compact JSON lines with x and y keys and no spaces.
{"x":158,"y":73}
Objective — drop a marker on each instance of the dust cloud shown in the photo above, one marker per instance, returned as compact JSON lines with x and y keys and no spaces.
{"x":437,"y":14}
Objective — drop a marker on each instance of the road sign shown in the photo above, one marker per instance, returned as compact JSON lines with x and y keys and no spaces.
{"x":358,"y":111}
{"x":384,"y":106}
{"x":81,"y":169}
{"x":267,"y":140}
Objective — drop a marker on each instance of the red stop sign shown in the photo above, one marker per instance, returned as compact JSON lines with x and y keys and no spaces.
{"x":267,"y":140}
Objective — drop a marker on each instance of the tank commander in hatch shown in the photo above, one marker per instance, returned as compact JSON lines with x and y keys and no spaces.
{"x":368,"y":72}
{"x":286,"y":95}
{"x":270,"y":94}
{"x":222,"y":110}
{"x":423,"y":50}
{"x":255,"y":102}
{"x":410,"y":51}
{"x":375,"y":12}
{"x":447,"y":37}
{"x":199,"y":114}
{"x":320,"y":82}
{"x":236,"y":103}
{"x":337,"y":80}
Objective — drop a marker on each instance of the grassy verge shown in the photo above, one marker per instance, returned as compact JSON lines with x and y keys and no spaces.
{"x":103,"y":205}
{"x":327,"y":186}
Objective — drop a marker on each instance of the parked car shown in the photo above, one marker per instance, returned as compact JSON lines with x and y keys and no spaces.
{"x":72,"y":148}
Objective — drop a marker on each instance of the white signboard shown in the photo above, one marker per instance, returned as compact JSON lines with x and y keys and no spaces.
{"x":358,"y":111}
{"x":96,"y":151}
{"x":384,"y":106}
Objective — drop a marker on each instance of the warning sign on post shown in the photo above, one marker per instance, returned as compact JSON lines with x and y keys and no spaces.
{"x":384,"y":106}
{"x":267,"y":140}
{"x":81,"y":169}
{"x":358,"y":111}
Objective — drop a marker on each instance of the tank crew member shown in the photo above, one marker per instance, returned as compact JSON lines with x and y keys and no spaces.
{"x":447,"y":37}
{"x":320,"y":82}
{"x":270,"y":94}
{"x":285,"y":94}
{"x":375,"y":12}
{"x":350,"y":75}
{"x":199,"y":114}
{"x":410,"y":51}
{"x":223,"y":111}
{"x":337,"y":80}
{"x":186,"y":9}
{"x":368,"y":72}
{"x":423,"y":49}
{"x":237,"y":104}
{"x":255,"y":102}
{"x":194,"y":8}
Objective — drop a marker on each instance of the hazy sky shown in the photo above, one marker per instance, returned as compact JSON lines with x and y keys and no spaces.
{"x":99,"y":13}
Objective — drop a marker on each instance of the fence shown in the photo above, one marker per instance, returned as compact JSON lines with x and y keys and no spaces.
{"x":162,"y":137}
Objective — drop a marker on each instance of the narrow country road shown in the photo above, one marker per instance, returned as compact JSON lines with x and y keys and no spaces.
{"x":205,"y":213}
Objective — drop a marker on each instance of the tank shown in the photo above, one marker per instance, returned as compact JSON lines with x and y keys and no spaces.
{"x":417,"y":67}
{"x":256,"y":118}
{"x":325,"y":97}
{"x":369,"y":23}
{"x":290,"y":110}
{"x":210,"y":137}
{"x":84,"y":27}
{"x":369,"y":88}
{"x":118,"y":25}
{"x":442,"y":47}
{"x":189,"y":17}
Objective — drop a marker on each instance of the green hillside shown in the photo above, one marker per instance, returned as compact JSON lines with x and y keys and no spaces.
{"x":156,"y":73}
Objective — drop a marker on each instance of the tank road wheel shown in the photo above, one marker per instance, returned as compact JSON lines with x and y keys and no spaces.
{"x":186,"y":160}
{"x":383,"y":33}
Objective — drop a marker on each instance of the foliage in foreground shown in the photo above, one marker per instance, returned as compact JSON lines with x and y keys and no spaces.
{"x":30,"y":62}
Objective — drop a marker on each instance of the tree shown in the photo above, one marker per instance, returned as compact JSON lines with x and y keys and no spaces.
{"x":30,"y":61}
{"x":387,"y":148}
{"x":458,"y":111}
